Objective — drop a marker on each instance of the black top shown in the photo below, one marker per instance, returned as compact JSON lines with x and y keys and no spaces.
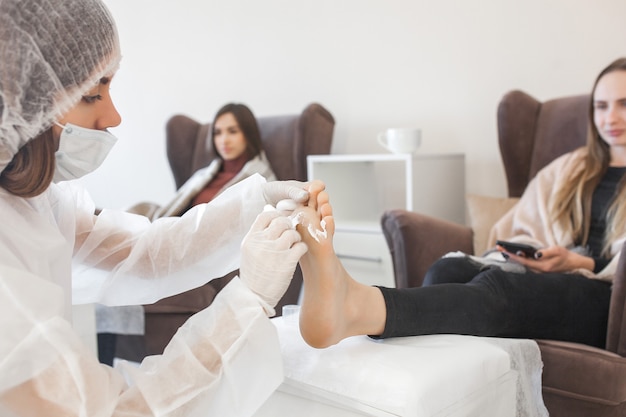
{"x":600,"y":203}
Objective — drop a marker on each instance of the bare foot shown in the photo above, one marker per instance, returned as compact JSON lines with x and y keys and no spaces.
{"x":334,"y":306}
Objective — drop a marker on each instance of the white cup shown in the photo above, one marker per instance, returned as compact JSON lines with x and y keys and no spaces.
{"x":400,"y":140}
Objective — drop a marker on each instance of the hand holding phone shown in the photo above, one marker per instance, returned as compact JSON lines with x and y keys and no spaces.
{"x":514,"y":248}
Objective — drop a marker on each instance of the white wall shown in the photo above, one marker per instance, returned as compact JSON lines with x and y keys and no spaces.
{"x":439,"y":65}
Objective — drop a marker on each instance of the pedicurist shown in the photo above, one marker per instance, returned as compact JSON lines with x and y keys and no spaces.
{"x":58,"y":59}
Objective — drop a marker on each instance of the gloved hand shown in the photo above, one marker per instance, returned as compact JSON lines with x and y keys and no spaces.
{"x":275,"y":191}
{"x":269,"y":255}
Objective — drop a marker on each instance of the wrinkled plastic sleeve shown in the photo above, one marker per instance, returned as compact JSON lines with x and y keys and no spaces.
{"x":124,"y":259}
{"x":224,"y":361}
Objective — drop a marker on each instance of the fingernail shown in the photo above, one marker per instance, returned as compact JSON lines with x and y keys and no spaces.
{"x":538,"y":255}
{"x":505,"y":255}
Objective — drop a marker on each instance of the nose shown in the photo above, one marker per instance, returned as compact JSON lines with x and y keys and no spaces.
{"x":224,"y":139}
{"x":611,"y":114}
{"x":110,"y":117}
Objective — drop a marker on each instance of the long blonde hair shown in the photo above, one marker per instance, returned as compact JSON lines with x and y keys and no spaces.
{"x":571,"y":207}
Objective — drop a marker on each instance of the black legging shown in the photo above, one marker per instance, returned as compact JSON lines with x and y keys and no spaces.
{"x":462,"y":297}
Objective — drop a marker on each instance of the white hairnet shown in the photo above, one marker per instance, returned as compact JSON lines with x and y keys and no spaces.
{"x":51,"y":53}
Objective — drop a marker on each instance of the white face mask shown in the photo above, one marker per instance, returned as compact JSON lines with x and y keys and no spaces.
{"x":81,"y":151}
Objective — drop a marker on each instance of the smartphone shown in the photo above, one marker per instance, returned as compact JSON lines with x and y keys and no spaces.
{"x":514,"y":248}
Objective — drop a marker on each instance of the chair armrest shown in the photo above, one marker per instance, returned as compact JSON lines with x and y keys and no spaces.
{"x":579,"y":371}
{"x":416,"y":241}
{"x":616,"y":330}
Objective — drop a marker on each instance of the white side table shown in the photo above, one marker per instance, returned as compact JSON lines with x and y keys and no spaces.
{"x":363,"y":187}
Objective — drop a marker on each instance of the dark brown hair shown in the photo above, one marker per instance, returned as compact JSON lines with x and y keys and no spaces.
{"x":31,"y":170}
{"x":247,"y":123}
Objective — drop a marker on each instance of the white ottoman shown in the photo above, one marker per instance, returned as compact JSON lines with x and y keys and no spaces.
{"x":438,"y":375}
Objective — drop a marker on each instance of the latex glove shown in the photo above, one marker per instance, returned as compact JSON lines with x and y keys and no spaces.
{"x":275,"y":191}
{"x":269,"y":255}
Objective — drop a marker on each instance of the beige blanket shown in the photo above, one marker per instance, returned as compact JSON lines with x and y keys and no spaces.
{"x":528,"y":221}
{"x":197,"y":182}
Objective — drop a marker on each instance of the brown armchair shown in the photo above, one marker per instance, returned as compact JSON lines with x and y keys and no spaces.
{"x":287,"y":140}
{"x":578,"y":380}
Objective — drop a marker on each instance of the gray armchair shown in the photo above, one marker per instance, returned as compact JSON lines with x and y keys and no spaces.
{"x":578,"y":380}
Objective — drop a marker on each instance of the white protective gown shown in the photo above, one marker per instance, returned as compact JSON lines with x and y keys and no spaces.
{"x":224,"y":361}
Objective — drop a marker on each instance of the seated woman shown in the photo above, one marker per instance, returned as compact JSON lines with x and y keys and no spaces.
{"x":236,"y":139}
{"x":562,"y":293}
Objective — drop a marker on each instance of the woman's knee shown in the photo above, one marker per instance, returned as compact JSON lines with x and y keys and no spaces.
{"x":448,"y":270}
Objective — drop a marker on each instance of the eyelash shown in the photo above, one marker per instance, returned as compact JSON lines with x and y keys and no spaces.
{"x":92,"y":99}
{"x":219,"y":132}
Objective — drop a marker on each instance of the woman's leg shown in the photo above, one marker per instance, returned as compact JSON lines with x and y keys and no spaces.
{"x":495,"y":303}
{"x":503,"y":304}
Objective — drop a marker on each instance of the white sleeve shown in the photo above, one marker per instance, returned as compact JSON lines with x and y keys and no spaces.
{"x":224,"y":361}
{"x":124,"y":259}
